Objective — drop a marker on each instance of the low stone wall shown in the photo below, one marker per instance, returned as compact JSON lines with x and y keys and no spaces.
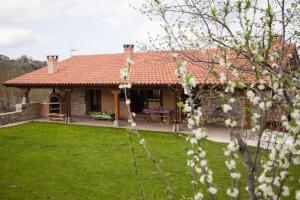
{"x":23,"y":112}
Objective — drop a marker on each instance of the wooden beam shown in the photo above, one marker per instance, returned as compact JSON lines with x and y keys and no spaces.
{"x":247,"y":122}
{"x":116,"y":94}
{"x":24,"y":93}
{"x":68,"y":105}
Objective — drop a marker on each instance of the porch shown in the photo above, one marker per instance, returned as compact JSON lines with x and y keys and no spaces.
{"x":215,"y":131}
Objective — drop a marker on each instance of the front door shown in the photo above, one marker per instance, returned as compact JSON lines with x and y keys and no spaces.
{"x":138,"y":100}
{"x":95,"y":100}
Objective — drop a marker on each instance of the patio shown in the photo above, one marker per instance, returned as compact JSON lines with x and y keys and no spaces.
{"x":215,"y":131}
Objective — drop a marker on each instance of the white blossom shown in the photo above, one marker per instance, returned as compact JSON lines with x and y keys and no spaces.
{"x":124,"y":73}
{"x":230,"y":164}
{"x":198,"y":196}
{"x":235,"y":175}
{"x":226,"y":108}
{"x":223,"y":77}
{"x":199,"y":133}
{"x":232,"y":192}
{"x":297,"y":196}
{"x":212,"y":190}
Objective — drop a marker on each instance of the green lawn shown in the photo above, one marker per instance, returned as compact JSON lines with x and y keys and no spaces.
{"x":57,"y":161}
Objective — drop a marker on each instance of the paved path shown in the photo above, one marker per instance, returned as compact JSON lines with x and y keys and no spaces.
{"x":216,"y":133}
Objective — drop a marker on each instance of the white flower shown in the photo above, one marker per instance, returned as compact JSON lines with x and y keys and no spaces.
{"x":198,"y":196}
{"x":202,"y":179}
{"x":226,"y":153}
{"x":232,"y":192}
{"x":127,"y":101}
{"x":233,"y":146}
{"x":265,"y":72}
{"x":199,"y":133}
{"x":250,"y":94}
{"x":222,"y":62}
{"x":133,"y":124}
{"x":187,"y":108}
{"x":203,"y":163}
{"x":127,"y":85}
{"x":202,"y":154}
{"x":129,"y":60}
{"x":124,"y":73}
{"x":191,"y":122}
{"x":231,"y":100}
{"x":235,"y":73}
{"x":297,"y":195}
{"x":256,"y":116}
{"x":255,"y":100}
{"x":285,"y":191}
{"x":227,"y":122}
{"x":268,"y":104}
{"x":142,"y":141}
{"x":190,"y":152}
{"x":226,"y":108}
{"x":235,"y":175}
{"x":296,"y":161}
{"x":230,"y":122}
{"x":193,"y":141}
{"x":261,"y":87}
{"x":222,"y":77}
{"x":230,"y":164}
{"x":212,"y":190}
{"x":262,"y":105}
{"x":295,"y":114}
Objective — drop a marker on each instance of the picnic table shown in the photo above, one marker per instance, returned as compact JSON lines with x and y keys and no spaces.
{"x":102,"y":115}
{"x":164,"y":113}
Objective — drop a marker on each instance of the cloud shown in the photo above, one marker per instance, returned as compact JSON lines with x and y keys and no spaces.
{"x":14,"y":37}
{"x":20,"y":11}
{"x":148,"y":30}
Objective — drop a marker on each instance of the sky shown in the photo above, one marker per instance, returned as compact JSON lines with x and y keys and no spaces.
{"x":37,"y":28}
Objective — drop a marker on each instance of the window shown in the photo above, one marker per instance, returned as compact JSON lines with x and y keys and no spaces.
{"x":154,"y":95}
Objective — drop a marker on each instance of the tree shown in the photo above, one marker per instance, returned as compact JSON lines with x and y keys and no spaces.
{"x":261,"y":34}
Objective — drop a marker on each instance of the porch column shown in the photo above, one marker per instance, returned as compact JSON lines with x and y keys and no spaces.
{"x":176,"y":124}
{"x":247,"y":122}
{"x":24,"y":92}
{"x":68,"y":105}
{"x":116,"y":106}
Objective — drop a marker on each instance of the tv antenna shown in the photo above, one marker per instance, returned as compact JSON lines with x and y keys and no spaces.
{"x":72,"y":50}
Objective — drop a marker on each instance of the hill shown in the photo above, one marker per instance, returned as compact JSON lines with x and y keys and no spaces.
{"x":13,"y":68}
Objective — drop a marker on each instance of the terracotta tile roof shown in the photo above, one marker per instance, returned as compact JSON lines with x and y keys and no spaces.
{"x":149,"y":68}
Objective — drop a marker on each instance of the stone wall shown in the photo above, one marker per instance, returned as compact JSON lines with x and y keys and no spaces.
{"x":78,"y":102}
{"x":211,"y":104}
{"x":23,"y":112}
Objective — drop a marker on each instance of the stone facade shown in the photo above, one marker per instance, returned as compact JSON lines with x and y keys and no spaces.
{"x":78,"y":102}
{"x":23,"y":112}
{"x":211,"y":104}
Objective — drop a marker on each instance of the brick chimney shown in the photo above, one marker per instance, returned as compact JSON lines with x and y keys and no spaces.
{"x":128,"y":50}
{"x":52,"y":61}
{"x":277,"y":39}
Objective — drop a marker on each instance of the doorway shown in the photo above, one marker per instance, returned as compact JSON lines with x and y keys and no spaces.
{"x":94,"y":100}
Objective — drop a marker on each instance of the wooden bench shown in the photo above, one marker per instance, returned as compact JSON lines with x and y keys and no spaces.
{"x":56,"y":117}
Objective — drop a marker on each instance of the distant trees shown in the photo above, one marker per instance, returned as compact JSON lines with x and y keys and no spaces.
{"x":13,"y":68}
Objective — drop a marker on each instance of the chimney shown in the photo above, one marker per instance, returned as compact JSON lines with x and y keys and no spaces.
{"x":277,"y":40}
{"x":128,"y":50}
{"x":52,"y":62}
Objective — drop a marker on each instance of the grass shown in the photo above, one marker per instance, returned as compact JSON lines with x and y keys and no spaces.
{"x":58,"y":161}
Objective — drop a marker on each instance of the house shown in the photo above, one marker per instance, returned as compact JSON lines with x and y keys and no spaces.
{"x":3,"y":58}
{"x":88,"y":83}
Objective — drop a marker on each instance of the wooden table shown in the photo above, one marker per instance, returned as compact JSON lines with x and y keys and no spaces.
{"x":164,"y":113}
